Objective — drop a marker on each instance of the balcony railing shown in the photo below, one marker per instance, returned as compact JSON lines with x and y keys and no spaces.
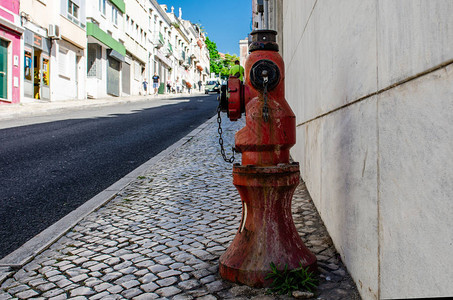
{"x":169,"y":50}
{"x":159,"y":40}
{"x":182,"y":58}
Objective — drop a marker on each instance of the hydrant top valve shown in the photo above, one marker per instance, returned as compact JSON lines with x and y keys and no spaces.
{"x":264,"y":69}
{"x":263,"y":40}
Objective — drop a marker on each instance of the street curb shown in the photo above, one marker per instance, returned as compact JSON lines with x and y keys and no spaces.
{"x":39,"y":243}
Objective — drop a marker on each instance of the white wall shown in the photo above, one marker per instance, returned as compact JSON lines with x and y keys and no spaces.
{"x":68,"y":85}
{"x":371,"y":84}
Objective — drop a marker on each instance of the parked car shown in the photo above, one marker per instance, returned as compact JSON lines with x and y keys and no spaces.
{"x":212,"y":85}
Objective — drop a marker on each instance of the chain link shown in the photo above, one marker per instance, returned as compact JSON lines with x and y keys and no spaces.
{"x":220,"y":131}
{"x":265,"y":106}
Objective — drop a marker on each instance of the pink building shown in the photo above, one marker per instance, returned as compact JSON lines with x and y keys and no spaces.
{"x":10,"y":51}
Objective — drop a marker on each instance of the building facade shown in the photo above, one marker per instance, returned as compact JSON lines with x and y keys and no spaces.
{"x":163,"y":58}
{"x":105,"y":47}
{"x":10,"y":52}
{"x":54,"y":49}
{"x":70,"y":51}
{"x":370,"y":83}
{"x":57,"y":50}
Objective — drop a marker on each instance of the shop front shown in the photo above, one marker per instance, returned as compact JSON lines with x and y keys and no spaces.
{"x":36,"y":66}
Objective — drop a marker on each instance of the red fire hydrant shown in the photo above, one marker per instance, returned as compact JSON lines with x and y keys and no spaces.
{"x":266,"y":180}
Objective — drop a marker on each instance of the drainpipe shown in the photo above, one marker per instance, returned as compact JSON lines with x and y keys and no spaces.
{"x":266,"y":15}
{"x":259,"y":14}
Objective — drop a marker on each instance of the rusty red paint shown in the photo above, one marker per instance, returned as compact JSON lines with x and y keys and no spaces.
{"x":235,"y":98}
{"x":267,"y":232}
{"x":266,"y":182}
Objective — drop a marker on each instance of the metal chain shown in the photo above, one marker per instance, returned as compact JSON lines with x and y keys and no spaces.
{"x":220,"y":131}
{"x":265,"y":106}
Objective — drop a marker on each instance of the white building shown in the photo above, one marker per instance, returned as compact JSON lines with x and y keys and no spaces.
{"x":162,"y":51}
{"x":199,"y":54}
{"x":54,"y":49}
{"x":370,"y":83}
{"x":243,"y":50}
{"x":181,"y":40}
{"x":190,"y":56}
{"x":136,"y":29}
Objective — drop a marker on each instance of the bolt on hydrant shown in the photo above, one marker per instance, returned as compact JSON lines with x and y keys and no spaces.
{"x":266,"y":180}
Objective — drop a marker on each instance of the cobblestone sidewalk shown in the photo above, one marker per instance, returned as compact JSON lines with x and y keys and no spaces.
{"x":162,"y":236}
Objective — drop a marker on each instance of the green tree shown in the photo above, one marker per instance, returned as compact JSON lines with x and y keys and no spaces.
{"x":215,"y":61}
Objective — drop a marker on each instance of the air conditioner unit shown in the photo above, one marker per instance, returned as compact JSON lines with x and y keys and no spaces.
{"x":54,"y":32}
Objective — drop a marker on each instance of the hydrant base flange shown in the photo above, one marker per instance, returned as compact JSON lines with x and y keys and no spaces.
{"x":266,"y":233}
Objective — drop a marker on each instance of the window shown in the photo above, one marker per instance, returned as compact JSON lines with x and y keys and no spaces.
{"x":73,"y":12}
{"x":115,"y":15}
{"x":94,"y":61}
{"x":28,"y":65}
{"x":63,"y":68}
{"x":137,"y":70}
{"x":45,"y":71}
{"x":102,"y":6}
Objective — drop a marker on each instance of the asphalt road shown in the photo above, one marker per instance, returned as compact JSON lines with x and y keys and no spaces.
{"x":56,"y":163}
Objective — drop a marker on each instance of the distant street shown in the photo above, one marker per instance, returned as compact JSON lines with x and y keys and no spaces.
{"x":58,"y":162}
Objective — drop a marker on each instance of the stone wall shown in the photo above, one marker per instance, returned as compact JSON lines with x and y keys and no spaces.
{"x":371,"y":84}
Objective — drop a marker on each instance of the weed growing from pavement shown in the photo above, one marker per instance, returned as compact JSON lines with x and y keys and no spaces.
{"x":286,"y":281}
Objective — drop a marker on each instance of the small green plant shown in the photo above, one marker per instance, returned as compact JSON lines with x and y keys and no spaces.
{"x":286,"y":281}
{"x":141,"y":177}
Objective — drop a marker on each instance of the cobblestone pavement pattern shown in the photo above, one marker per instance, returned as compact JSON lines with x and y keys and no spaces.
{"x":162,"y":236}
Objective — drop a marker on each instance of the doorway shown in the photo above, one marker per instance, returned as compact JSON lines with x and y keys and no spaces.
{"x":41,"y":75}
{"x":113,"y":77}
{"x":36,"y":74}
{"x":4,"y":69}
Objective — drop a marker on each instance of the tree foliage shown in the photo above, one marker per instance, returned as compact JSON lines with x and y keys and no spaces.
{"x":214,"y":56}
{"x":217,"y":64}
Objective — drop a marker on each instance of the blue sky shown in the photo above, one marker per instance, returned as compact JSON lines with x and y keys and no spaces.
{"x":226,"y":22}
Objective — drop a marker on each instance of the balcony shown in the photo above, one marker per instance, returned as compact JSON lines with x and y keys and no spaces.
{"x":169,"y":51}
{"x":188,"y":62}
{"x":159,"y":41}
{"x":182,"y":58}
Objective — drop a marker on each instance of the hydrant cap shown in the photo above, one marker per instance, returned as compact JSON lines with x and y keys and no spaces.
{"x":263,"y":40}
